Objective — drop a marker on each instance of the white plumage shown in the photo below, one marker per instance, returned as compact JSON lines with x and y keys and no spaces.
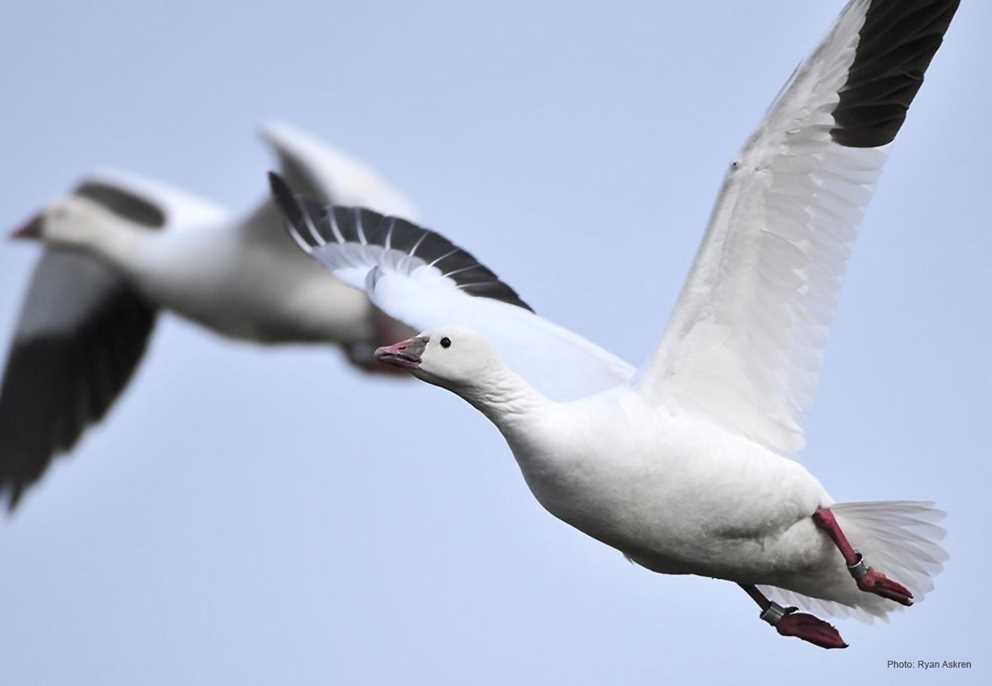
{"x":120,"y":248}
{"x":746,"y":338}
{"x":686,"y":467}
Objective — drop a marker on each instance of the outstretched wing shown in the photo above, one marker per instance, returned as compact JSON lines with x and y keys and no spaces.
{"x":80,"y":336}
{"x":745,"y":342}
{"x":422,"y":279}
{"x":324,"y":173}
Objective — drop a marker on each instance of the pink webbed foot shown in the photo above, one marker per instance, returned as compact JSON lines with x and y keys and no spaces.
{"x":871,"y":580}
{"x":868,"y":579}
{"x":811,"y":629}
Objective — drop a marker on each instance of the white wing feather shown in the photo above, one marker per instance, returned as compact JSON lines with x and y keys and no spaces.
{"x":557,"y":362}
{"x":744,"y":345}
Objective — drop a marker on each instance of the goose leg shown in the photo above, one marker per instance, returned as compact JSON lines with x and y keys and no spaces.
{"x":788,"y":622}
{"x":867,"y":578}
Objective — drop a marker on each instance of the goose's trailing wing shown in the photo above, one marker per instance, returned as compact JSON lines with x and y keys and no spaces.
{"x":745,"y":341}
{"x":422,"y":279}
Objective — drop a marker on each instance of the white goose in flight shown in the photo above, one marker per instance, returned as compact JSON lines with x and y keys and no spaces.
{"x":120,"y":248}
{"x":687,"y":465}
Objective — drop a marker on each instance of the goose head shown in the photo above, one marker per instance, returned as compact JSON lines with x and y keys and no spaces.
{"x":453,"y":357}
{"x":72,"y":222}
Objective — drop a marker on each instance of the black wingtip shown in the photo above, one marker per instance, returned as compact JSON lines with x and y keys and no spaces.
{"x":283,"y":195}
{"x":895,"y":46}
{"x":287,"y":202}
{"x":312,"y":225}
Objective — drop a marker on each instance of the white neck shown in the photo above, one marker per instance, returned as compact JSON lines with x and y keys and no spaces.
{"x":505,"y":398}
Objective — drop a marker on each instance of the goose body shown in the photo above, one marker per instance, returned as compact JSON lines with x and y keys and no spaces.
{"x":228,"y":278}
{"x":631,"y":475}
{"x":674,"y":493}
{"x":677,"y":494}
{"x":688,"y":464}
{"x":120,"y":248}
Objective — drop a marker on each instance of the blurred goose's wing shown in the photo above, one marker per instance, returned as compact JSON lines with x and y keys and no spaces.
{"x":322,"y":172}
{"x":746,"y":338}
{"x":422,"y":279}
{"x":81,"y":333}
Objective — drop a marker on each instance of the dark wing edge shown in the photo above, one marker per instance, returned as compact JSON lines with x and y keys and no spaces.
{"x":60,"y":380}
{"x":897,"y":42}
{"x":301,"y":177}
{"x":313,"y":224}
{"x":123,"y":203}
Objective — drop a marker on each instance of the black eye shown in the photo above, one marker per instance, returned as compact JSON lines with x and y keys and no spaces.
{"x":445,"y":342}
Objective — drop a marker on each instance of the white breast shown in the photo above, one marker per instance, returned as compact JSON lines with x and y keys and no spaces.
{"x":660,"y":487}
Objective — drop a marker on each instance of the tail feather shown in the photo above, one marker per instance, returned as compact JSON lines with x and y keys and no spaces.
{"x":900,"y":538}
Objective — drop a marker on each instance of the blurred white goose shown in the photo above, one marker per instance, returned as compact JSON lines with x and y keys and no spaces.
{"x":119,"y":248}
{"x":686,"y":466}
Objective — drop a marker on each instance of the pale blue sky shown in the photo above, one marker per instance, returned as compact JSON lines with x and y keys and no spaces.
{"x":212,"y":531}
